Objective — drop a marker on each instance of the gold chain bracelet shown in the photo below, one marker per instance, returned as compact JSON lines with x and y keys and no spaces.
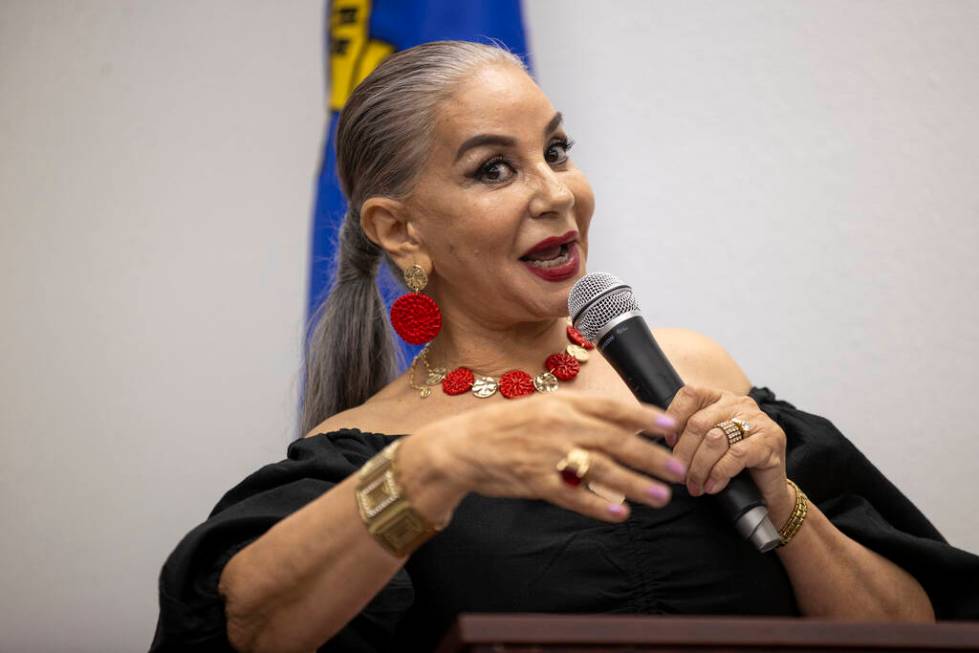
{"x":386,"y":512}
{"x":799,"y":512}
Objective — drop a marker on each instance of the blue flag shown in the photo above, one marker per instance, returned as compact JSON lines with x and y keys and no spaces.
{"x":361,"y":34}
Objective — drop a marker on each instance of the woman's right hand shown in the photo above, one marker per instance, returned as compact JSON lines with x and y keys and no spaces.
{"x":511,"y":449}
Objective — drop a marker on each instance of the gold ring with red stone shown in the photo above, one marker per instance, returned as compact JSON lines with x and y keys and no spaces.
{"x":574,"y":466}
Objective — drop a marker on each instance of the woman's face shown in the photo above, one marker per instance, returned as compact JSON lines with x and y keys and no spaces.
{"x":499,"y":206}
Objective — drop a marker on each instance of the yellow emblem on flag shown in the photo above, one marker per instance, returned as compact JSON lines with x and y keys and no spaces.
{"x":353,"y":54}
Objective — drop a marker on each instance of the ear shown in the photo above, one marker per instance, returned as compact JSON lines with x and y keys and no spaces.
{"x":385,"y":222}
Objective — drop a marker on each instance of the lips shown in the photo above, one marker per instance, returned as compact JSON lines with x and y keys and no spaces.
{"x":554,"y":259}
{"x":548,"y":248}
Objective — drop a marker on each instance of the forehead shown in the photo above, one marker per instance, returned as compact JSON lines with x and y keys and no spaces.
{"x":498,"y":99}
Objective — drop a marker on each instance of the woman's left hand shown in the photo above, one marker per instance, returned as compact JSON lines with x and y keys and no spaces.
{"x":711,"y":461}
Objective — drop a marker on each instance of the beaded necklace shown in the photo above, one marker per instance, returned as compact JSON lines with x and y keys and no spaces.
{"x":561,"y":366}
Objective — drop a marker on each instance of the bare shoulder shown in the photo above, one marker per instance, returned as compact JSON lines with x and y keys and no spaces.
{"x":701,"y":360}
{"x":353,"y":418}
{"x":385,"y":412}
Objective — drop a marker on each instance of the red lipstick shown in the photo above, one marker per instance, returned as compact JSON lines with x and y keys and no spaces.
{"x":554,"y":259}
{"x":553,"y":241}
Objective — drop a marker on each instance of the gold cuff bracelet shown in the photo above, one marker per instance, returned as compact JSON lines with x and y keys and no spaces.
{"x":386,"y":512}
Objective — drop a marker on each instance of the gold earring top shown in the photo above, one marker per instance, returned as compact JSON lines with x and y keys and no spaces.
{"x":415,"y":278}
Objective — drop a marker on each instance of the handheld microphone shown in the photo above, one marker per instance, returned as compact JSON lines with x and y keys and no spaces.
{"x":605,"y":311}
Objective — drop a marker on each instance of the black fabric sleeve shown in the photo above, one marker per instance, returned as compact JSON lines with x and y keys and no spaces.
{"x":868,"y":508}
{"x":192,"y":614}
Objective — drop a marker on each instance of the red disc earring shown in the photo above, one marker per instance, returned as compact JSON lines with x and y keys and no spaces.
{"x":416,"y":317}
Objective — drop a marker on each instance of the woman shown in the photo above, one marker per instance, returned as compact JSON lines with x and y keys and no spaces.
{"x":457,"y":171}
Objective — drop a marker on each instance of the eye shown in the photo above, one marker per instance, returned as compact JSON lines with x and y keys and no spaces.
{"x":495,"y":171}
{"x":557,"y":152}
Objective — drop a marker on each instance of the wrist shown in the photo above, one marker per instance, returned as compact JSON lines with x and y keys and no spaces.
{"x":425,"y":475}
{"x":781,"y":505}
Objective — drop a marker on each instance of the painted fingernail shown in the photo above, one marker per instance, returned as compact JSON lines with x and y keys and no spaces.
{"x":658,"y":492}
{"x":710,"y":486}
{"x":671,"y":439}
{"x":677,"y":467}
{"x":694,"y":488}
{"x":665,"y":421}
{"x":616,"y":509}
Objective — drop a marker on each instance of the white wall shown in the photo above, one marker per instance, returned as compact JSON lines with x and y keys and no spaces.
{"x":799,"y":178}
{"x":801,"y":182}
{"x":158,"y":165}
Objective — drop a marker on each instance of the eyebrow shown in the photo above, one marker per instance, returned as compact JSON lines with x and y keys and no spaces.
{"x":498,"y":139}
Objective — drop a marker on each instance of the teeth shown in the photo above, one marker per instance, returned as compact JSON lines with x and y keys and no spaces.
{"x":549,"y":253}
{"x":564,"y":257}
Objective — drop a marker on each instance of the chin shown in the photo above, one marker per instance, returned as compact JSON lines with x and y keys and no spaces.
{"x":547,"y":299}
{"x":555,"y":305}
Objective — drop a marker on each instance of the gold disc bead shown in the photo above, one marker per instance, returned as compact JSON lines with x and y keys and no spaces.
{"x":484,"y":386}
{"x":545,"y":382}
{"x":423,"y":390}
{"x":435,"y":376}
{"x":580,"y":354}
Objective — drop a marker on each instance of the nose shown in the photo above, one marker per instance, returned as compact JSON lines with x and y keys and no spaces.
{"x":551,"y":195}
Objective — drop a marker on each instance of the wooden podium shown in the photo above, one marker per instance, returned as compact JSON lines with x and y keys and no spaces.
{"x":531,"y":633}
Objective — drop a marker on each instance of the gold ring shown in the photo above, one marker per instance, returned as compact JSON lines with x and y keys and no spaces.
{"x":734,"y":429}
{"x":574,"y":466}
{"x":742,"y":424}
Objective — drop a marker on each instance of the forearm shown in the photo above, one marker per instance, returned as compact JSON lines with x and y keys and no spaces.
{"x":302,"y":581}
{"x":836,"y":577}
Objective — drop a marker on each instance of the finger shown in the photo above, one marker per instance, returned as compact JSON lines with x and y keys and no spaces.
{"x":712,"y":448}
{"x":630,"y":449}
{"x":634,"y":486}
{"x":688,"y":401}
{"x":756,"y":451}
{"x":639,"y":453}
{"x":698,"y":425}
{"x":627,"y":415}
{"x":580,"y":500}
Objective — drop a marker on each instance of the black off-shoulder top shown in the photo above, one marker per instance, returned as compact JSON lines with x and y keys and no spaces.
{"x":509,"y":555}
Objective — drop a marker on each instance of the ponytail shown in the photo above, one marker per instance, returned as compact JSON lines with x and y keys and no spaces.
{"x":350,"y":354}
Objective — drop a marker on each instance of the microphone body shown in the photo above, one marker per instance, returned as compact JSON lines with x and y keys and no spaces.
{"x":626,"y":341}
{"x":630,"y":348}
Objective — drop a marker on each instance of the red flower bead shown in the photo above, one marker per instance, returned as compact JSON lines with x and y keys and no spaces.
{"x":516,"y":383}
{"x":575,"y":336}
{"x":416,"y":318}
{"x":564,"y":366}
{"x":458,"y":381}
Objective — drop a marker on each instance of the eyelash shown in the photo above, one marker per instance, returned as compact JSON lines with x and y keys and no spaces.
{"x":565,"y":143}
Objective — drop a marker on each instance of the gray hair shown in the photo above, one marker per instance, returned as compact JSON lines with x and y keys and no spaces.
{"x":383,"y":139}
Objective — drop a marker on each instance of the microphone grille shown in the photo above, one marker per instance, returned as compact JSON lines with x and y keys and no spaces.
{"x":596,"y":299}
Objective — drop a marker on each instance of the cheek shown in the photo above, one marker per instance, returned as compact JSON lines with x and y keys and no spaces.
{"x":476,"y":236}
{"x":584,"y":204}
{"x":489,"y":226}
